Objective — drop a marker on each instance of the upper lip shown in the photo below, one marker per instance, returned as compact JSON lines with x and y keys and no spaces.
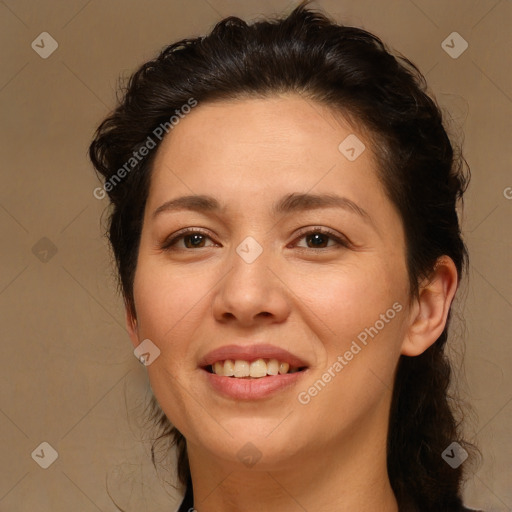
{"x":251,"y":353}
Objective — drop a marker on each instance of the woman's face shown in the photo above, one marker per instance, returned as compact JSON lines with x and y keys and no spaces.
{"x":250,"y":272}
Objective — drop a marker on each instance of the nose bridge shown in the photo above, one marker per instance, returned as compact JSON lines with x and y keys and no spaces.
{"x":250,"y":275}
{"x":250,"y":288}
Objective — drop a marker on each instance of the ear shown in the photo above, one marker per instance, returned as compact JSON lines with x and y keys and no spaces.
{"x":430,"y":311}
{"x":131,"y":326}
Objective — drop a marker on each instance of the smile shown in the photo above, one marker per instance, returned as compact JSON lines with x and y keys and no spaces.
{"x":256,"y":369}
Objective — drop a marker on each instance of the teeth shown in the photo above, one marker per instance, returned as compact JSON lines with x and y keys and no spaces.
{"x":255,"y":369}
{"x":229,"y":368}
{"x":241,"y":368}
{"x":218,"y":368}
{"x":283,"y":368}
{"x":273,"y":367}
{"x":258,"y":368}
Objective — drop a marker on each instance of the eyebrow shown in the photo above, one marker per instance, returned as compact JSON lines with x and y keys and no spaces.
{"x":290,"y":203}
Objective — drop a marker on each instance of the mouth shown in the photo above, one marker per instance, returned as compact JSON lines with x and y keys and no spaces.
{"x":255,"y":369}
{"x":251,"y":372}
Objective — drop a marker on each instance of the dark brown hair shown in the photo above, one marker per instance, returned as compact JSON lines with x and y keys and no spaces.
{"x":355,"y":74}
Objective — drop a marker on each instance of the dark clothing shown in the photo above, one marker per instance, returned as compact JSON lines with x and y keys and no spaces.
{"x":188,"y":500}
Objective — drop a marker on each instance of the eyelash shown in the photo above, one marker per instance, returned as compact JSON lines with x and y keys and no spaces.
{"x":340,"y":241}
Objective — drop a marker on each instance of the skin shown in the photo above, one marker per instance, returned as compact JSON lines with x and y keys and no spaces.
{"x":328,"y":454}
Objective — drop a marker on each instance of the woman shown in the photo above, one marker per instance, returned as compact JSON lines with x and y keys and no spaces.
{"x":284,"y":223}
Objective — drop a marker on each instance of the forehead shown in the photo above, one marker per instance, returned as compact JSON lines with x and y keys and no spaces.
{"x":283,"y":125}
{"x":248,"y":147}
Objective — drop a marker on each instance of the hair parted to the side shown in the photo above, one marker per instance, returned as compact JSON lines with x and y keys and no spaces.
{"x":353,"y":72}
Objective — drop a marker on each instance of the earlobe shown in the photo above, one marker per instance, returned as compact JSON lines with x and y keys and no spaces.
{"x":431,"y":308}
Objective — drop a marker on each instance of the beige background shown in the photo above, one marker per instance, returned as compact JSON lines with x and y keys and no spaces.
{"x":68,"y":374}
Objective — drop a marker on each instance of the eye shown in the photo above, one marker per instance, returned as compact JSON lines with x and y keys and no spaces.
{"x":191,"y":238}
{"x":318,"y":238}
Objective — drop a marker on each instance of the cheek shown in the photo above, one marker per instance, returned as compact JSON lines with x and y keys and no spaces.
{"x":168,"y":304}
{"x":169,"y":307}
{"x":349,"y":298}
{"x":357,"y":314}
{"x":358,"y":317}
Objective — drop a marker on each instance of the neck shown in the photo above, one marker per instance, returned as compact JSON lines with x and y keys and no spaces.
{"x":349,"y":475}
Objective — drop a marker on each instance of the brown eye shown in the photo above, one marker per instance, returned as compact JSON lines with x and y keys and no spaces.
{"x":192,"y":239}
{"x":317,"y":240}
{"x":322,"y":239}
{"x":195,"y":240}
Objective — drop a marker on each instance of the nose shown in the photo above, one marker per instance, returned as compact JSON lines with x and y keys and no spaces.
{"x":251,"y":293}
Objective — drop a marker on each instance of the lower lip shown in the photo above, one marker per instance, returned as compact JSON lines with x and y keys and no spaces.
{"x":252,"y":389}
